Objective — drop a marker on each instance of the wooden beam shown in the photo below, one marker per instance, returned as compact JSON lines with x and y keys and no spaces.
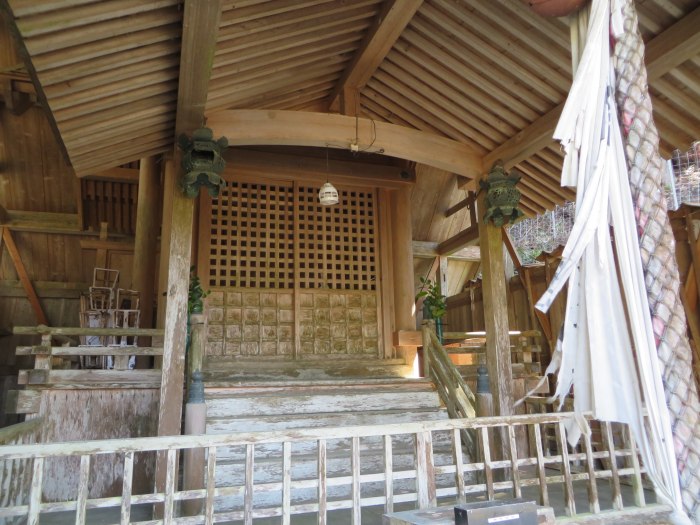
{"x":41,"y":221}
{"x":515,"y":257}
{"x":379,"y":40}
{"x":429,"y":250}
{"x":666,"y":51}
{"x":200,"y":27}
{"x":299,"y":128}
{"x":459,"y":241}
{"x":113,"y":175}
{"x":676,"y":45}
{"x":44,"y":289}
{"x":258,"y":164}
{"x":23,"y":276}
{"x":467,"y":202}
{"x":7,"y":14}
{"x":103,"y":244}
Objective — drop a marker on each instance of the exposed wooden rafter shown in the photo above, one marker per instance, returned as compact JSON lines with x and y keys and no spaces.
{"x":379,"y":40}
{"x":678,"y":43}
{"x":459,"y":241}
{"x":114,"y":175}
{"x":430,"y":250}
{"x":299,"y":128}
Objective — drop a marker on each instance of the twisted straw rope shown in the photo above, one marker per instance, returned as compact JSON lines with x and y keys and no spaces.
{"x":658,"y":255}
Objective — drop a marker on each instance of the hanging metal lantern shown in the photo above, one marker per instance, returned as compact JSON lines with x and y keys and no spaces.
{"x":502,"y":197}
{"x":202,"y":162}
{"x":328,"y":195}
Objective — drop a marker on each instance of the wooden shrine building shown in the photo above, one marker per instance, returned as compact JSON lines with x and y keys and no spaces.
{"x":310,"y":310}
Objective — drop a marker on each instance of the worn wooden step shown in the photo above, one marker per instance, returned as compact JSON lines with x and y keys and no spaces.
{"x":341,"y":401}
{"x":339,"y":446}
{"x":328,"y":368}
{"x":268,"y":476}
{"x":384,"y":384}
{"x":226,"y":425}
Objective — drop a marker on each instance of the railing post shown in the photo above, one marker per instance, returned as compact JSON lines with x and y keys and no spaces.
{"x":425,"y":470}
{"x":484,"y":399}
{"x":428,"y":325}
{"x":197,"y":341}
{"x":194,"y":458}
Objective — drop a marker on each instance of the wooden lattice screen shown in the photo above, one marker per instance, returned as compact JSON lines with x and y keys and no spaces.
{"x":336,"y":243}
{"x":251,"y":237}
{"x":288,"y":276}
{"x":254,"y":229}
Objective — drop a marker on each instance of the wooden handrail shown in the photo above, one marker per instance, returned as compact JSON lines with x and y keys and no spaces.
{"x":615,"y":462}
{"x":454,"y":392}
{"x":61,"y":330}
{"x":13,"y":432}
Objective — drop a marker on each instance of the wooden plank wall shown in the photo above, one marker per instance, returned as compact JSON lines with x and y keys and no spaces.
{"x":74,"y":415}
{"x":465,"y":311}
{"x":35,"y":179}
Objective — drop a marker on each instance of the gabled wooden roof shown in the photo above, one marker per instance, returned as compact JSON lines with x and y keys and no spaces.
{"x":489,"y":75}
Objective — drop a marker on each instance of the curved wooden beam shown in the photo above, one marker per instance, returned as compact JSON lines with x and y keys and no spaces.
{"x":244,"y":127}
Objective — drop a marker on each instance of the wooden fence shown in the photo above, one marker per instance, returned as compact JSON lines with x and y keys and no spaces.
{"x":541,"y":475}
{"x":14,"y":479}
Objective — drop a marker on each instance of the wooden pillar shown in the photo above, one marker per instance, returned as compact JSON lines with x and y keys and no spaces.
{"x":171,"y":393}
{"x":402,"y":254}
{"x":173,"y":366}
{"x":144,"y":267}
{"x":494,"y":291}
{"x":169,"y":180}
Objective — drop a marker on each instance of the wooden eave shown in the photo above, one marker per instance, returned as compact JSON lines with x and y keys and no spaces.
{"x":491,"y":76}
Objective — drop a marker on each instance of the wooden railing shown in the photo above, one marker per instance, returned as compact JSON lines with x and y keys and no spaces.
{"x":454,"y":392}
{"x":54,"y":365}
{"x":15,"y":480}
{"x":533,"y":476}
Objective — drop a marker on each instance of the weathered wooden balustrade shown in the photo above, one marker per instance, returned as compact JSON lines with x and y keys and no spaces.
{"x":14,"y":474}
{"x":535,"y":475}
{"x":53,"y":364}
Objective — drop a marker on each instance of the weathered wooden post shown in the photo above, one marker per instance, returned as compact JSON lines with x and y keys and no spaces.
{"x":194,"y":458}
{"x":484,"y":398}
{"x":428,"y":325}
{"x":402,"y":252}
{"x":197,"y":341}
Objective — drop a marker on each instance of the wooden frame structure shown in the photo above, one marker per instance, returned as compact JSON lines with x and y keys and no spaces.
{"x":414,"y":100}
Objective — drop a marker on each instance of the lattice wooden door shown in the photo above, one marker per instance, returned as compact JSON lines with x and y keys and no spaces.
{"x":288,"y":276}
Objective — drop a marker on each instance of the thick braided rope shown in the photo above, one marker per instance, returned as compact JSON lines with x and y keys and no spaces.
{"x":658,"y":255}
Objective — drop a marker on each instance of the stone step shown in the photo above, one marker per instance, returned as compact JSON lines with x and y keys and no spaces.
{"x":339,"y":401}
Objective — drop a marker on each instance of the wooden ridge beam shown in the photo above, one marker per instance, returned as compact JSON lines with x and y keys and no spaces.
{"x":677,"y":44}
{"x":299,"y":128}
{"x":459,"y":241}
{"x":259,"y":164}
{"x":380,"y":39}
{"x":429,"y":250}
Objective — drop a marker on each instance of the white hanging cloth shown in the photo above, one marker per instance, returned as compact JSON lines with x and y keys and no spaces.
{"x":596,"y":355}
